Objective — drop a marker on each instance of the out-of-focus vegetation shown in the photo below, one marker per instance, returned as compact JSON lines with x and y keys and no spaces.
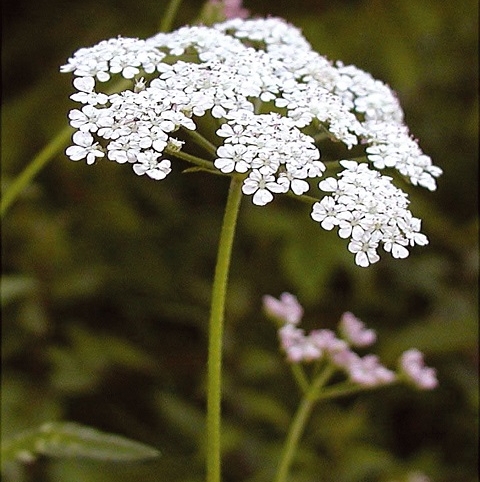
{"x":107,"y":276}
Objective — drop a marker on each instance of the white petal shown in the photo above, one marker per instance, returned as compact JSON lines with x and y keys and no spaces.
{"x":299,"y":187}
{"x":156,"y":174}
{"x":328,"y":185}
{"x":130,"y":72}
{"x":361,"y":259}
{"x":249,"y":186}
{"x":75,"y":153}
{"x":262,"y":197}
{"x":328,"y":223}
{"x":225,"y":165}
{"x":85,"y":84}
{"x":84,"y":139}
{"x":140,"y":169}
{"x":399,"y":251}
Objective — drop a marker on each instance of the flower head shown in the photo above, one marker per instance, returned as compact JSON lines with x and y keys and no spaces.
{"x":324,"y":344}
{"x":275,"y":101}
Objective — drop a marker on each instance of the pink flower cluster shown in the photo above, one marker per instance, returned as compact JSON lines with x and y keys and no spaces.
{"x":232,"y":8}
{"x":318,"y":344}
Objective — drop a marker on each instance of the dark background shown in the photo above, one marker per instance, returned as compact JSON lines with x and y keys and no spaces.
{"x":107,"y":276}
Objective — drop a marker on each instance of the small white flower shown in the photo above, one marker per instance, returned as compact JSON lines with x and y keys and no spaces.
{"x":149,"y":164}
{"x":327,"y":213}
{"x":124,"y":149}
{"x":261,"y":186}
{"x":86,"y":119}
{"x":289,"y":181}
{"x":84,"y":147}
{"x":232,"y":133}
{"x":178,"y":119}
{"x":365,"y":250}
{"x":87,"y":95}
{"x":234,"y":157}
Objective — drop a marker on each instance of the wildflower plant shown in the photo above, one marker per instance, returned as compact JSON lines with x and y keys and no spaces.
{"x":277,"y":118}
{"x":334,"y":353}
{"x":274,"y":105}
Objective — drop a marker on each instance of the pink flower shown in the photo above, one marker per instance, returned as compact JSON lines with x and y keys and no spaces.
{"x":369,"y":372}
{"x":297,"y":346}
{"x":415,"y":371}
{"x":354,"y":331}
{"x":231,"y":8}
{"x":286,"y":309}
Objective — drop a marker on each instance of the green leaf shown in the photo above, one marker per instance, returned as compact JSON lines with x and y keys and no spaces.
{"x":67,"y":439}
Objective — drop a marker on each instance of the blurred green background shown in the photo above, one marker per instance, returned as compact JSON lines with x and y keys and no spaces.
{"x":107,"y":276}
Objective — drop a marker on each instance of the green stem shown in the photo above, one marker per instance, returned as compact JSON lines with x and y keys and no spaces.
{"x":202,"y":141}
{"x":299,"y":422}
{"x":300,"y":377}
{"x":169,"y":15}
{"x":217,"y":314}
{"x":33,"y":168}
{"x":296,"y":429}
{"x":344,"y":389}
{"x":41,"y":159}
{"x":198,"y":161}
{"x":60,"y":140}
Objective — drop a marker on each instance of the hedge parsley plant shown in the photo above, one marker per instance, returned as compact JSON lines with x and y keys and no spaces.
{"x":275,"y":105}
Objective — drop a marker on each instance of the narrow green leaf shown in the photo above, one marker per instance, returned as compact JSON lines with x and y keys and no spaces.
{"x":67,"y":439}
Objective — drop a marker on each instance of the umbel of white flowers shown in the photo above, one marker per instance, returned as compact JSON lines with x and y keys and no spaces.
{"x":275,"y":99}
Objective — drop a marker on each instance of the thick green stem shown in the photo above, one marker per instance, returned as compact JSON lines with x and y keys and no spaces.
{"x":299,"y":422}
{"x":217,"y":313}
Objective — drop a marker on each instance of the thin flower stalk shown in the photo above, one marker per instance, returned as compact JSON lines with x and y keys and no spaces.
{"x":216,"y":322}
{"x":24,"y":179}
{"x":299,"y":423}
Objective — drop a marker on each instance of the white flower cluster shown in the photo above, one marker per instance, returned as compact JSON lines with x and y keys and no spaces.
{"x":369,"y":209}
{"x":265,"y":145}
{"x":272,"y":96}
{"x":324,"y":344}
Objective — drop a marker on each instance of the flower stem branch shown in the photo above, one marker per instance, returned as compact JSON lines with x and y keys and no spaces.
{"x":344,"y":389}
{"x":198,"y":161}
{"x":300,"y":377}
{"x":299,"y":421}
{"x":202,"y":141}
{"x":217,"y":314}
